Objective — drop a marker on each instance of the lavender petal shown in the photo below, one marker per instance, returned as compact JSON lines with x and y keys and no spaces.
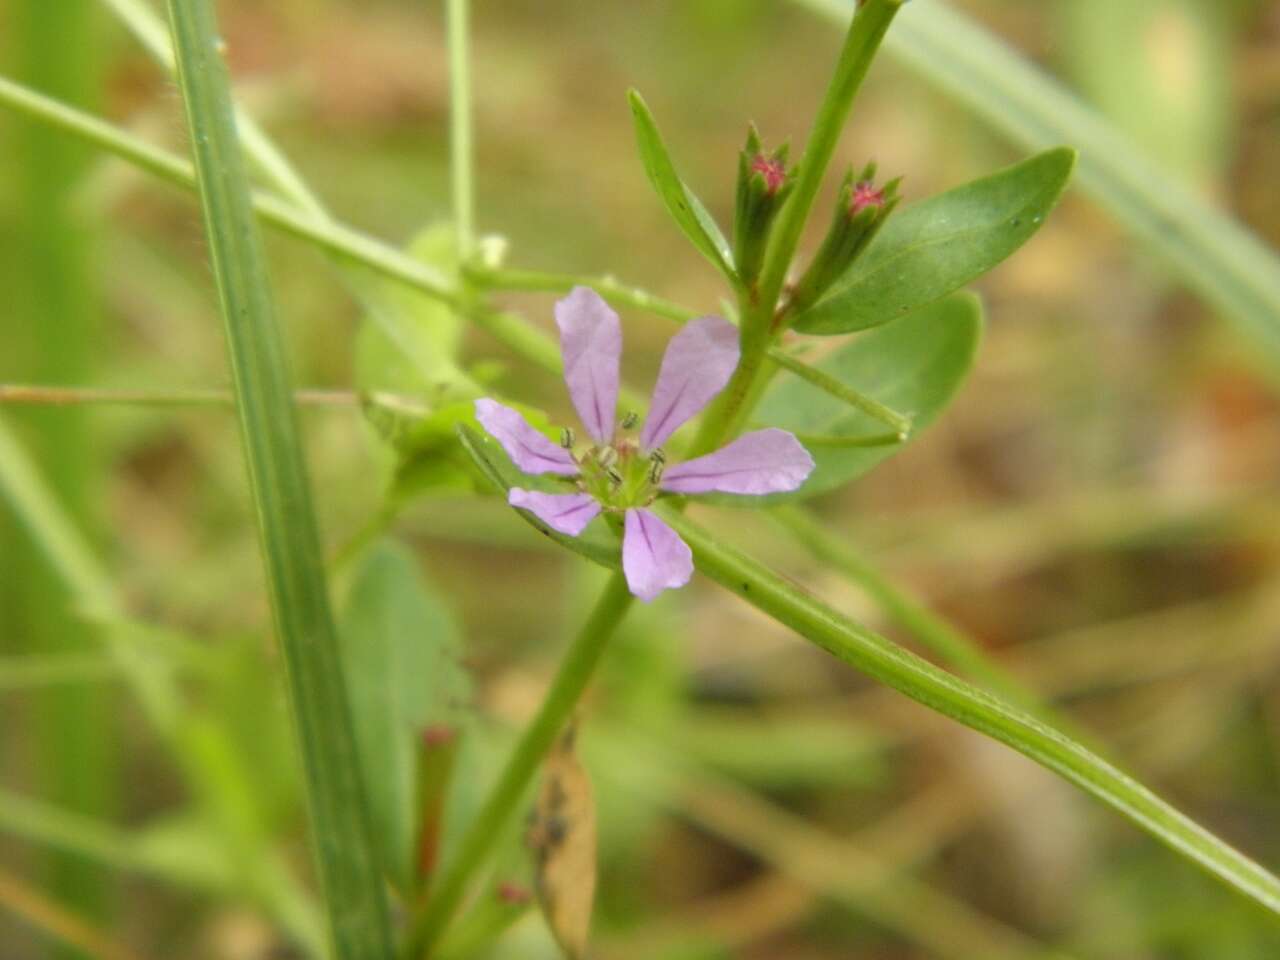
{"x":698,"y":363}
{"x":591,"y":344}
{"x":764,"y":461}
{"x":654,"y":558}
{"x":528,"y":449}
{"x":568,"y":513}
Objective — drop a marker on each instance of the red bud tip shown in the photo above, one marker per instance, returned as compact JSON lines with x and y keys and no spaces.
{"x":865,"y":195}
{"x":775,"y":175}
{"x":438,"y":735}
{"x":512,"y":893}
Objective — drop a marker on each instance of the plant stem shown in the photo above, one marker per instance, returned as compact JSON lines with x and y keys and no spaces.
{"x":461,"y":159}
{"x":862,"y":41}
{"x":332,"y":237}
{"x":935,"y":633}
{"x":607,"y":286}
{"x":349,"y":871}
{"x":26,"y":394}
{"x":940,"y":691}
{"x":571,"y":679}
{"x":150,"y":31}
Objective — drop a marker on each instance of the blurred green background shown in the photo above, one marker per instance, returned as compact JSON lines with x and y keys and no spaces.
{"x":1098,"y":509}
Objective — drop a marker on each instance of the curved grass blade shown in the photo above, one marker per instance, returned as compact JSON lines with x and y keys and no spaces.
{"x":685,"y":208}
{"x":346,"y":857}
{"x":935,"y":247}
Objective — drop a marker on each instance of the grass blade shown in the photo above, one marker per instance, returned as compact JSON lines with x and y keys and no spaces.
{"x":348,"y":866}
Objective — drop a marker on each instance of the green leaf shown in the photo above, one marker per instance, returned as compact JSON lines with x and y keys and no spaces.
{"x":1203,"y":247}
{"x":400,"y":647}
{"x":687,"y":210}
{"x":914,"y":365}
{"x":935,"y":247}
{"x":409,"y":342}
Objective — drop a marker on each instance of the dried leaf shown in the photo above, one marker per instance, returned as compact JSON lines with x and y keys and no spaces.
{"x":562,"y":837}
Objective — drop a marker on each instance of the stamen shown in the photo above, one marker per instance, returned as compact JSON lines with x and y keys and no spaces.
{"x":567,"y":438}
{"x":614,"y":477}
{"x":656,"y":467}
{"x":630,"y":420}
{"x":608,"y":456}
{"x":658,"y":456}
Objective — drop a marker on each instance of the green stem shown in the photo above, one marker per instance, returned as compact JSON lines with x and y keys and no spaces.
{"x":461,"y":160}
{"x":348,"y":867}
{"x":150,"y":30}
{"x":935,"y":633}
{"x":862,"y":41}
{"x":26,"y":394}
{"x":608,"y":287}
{"x":571,"y":679}
{"x":331,"y":237}
{"x":940,"y":691}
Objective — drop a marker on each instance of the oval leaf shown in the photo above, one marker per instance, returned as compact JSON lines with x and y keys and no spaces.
{"x":935,"y":247}
{"x":400,"y":647}
{"x":687,"y":210}
{"x":914,"y":365}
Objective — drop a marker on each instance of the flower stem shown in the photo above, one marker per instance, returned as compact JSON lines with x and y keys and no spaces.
{"x":571,"y":679}
{"x":866,"y":31}
{"x":759,"y":308}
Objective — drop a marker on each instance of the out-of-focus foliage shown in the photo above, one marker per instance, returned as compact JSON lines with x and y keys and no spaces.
{"x":1097,"y":509}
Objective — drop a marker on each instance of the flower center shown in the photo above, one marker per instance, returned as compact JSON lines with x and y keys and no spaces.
{"x":619,"y":475}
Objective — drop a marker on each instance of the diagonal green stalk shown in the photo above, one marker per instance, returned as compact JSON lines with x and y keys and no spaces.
{"x":345,"y":853}
{"x":349,"y":245}
{"x":759,"y":306}
{"x":862,"y":41}
{"x":935,"y":633}
{"x":562,"y":697}
{"x":1214,"y":255}
{"x":940,"y":691}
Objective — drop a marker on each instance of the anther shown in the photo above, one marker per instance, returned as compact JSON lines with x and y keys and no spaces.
{"x":567,"y":438}
{"x":630,"y":420}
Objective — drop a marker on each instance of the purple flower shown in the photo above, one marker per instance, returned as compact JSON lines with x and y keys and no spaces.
{"x":619,"y":473}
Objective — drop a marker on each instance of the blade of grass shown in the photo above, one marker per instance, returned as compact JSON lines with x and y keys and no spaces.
{"x":57,"y":312}
{"x":349,"y":871}
{"x":1210,"y":252}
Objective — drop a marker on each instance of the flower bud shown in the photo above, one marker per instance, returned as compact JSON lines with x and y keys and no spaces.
{"x":860,"y":212}
{"x":764,"y":183}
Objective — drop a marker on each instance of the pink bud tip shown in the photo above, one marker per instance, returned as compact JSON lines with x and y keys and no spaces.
{"x":775,"y":175}
{"x":865,"y":194}
{"x":512,"y":893}
{"x":438,"y":735}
